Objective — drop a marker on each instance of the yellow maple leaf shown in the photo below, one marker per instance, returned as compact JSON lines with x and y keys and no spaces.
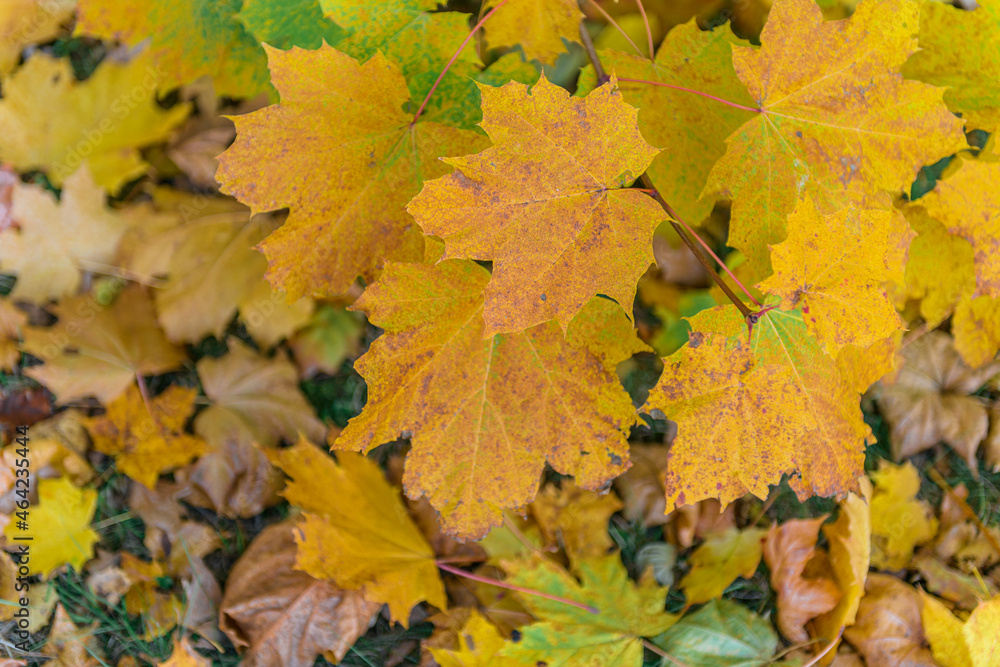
{"x":26,"y":22}
{"x":484,"y":415}
{"x":832,"y":267}
{"x":186,"y":39}
{"x":146,"y":444}
{"x":115,"y":114}
{"x":56,"y":240}
{"x":967,"y":203}
{"x":284,"y":156}
{"x":960,"y":49}
{"x":357,"y":531}
{"x":955,"y":643}
{"x":539,"y":27}
{"x":976,"y":327}
{"x":62,"y":516}
{"x":548,"y":204}
{"x":849,"y":539}
{"x":479,"y":645}
{"x":576,"y":518}
{"x":900,"y":522}
{"x":940,"y":268}
{"x":719,"y":560}
{"x":97,"y":350}
{"x":838,"y":122}
{"x":737,"y":425}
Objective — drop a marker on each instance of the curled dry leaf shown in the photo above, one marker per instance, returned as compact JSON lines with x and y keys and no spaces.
{"x":235,"y":480}
{"x":170,"y":539}
{"x":789,"y":551}
{"x":283,"y":616}
{"x":70,"y":645}
{"x":929,"y":402}
{"x":888,"y":629}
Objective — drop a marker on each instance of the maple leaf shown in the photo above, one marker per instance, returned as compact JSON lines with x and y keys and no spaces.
{"x":547,"y":207}
{"x":939,"y":270}
{"x":27,"y":22}
{"x":719,"y":560}
{"x":757,"y":418}
{"x":788,"y":550}
{"x":235,"y":480}
{"x":147,"y":441}
{"x":899,"y":521}
{"x":837,"y":121}
{"x":976,"y":327}
{"x":288,"y":23}
{"x":370,"y":544}
{"x":832,"y":267}
{"x":569,"y":635}
{"x":55,"y":240}
{"x":116,"y":114}
{"x":888,"y":630}
{"x":833,"y":422}
{"x":212,"y":267}
{"x":283,"y":616}
{"x":63,"y":515}
{"x":967,"y":204}
{"x":254,"y":399}
{"x":689,"y":125}
{"x":186,"y":40}
{"x":484,"y":415}
{"x":946,"y":59}
{"x":944,"y":633}
{"x":479,"y":645}
{"x":575,"y":518}
{"x":70,"y":645}
{"x":284,"y":154}
{"x":722,"y":633}
{"x":849,"y":540}
{"x":96,"y":350}
{"x":539,"y":27}
{"x":930,"y":401}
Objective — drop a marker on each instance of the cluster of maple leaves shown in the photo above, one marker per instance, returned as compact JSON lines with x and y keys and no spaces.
{"x":489,"y":188}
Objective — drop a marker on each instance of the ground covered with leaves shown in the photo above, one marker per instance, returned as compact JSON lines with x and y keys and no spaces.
{"x":509,"y":333}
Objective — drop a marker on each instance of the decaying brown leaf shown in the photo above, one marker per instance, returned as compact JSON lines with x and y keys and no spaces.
{"x":888,"y":629}
{"x":283,"y":616}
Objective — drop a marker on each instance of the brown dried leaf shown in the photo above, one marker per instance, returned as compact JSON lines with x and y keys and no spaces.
{"x":284,"y":616}
{"x":888,"y":629}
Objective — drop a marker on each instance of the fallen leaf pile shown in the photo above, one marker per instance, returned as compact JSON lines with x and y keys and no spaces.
{"x":499,"y":333}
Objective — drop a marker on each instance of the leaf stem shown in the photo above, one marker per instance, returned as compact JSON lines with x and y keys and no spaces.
{"x":649,"y":32}
{"x":520,"y":589}
{"x":738,"y":302}
{"x":453,"y":58}
{"x":663,"y":654}
{"x":695,"y":92}
{"x":611,"y":21}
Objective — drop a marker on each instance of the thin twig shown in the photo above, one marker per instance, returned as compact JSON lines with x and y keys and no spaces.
{"x":520,"y":589}
{"x":649,"y":32}
{"x":588,"y":45}
{"x":742,"y":307}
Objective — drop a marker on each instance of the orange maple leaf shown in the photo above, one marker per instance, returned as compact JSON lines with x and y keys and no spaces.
{"x":485,"y":415}
{"x":341,"y":153}
{"x":547,"y":203}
